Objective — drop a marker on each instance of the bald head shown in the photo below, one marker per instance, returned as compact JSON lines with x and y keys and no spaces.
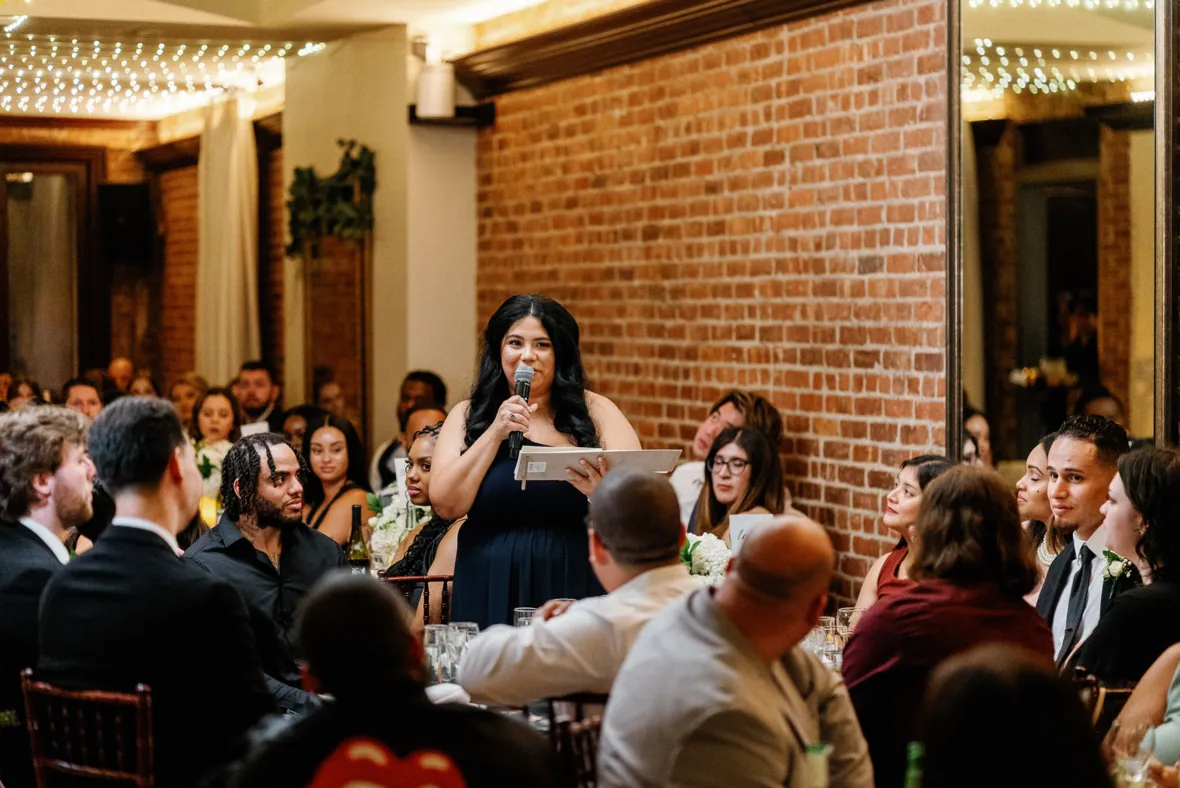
{"x":788,"y":559}
{"x":121,"y":370}
{"x":636,"y":516}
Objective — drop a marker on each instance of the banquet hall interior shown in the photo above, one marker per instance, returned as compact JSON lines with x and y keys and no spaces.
{"x":864,"y":282}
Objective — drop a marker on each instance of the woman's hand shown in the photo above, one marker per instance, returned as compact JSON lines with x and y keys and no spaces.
{"x":552,"y":609}
{"x":513,"y":416}
{"x":587,"y":476}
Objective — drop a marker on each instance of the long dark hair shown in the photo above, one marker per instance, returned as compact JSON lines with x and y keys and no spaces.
{"x":235,"y":431}
{"x":765,"y":486}
{"x":1038,"y":530}
{"x":567,"y":398}
{"x":928,"y":468}
{"x":1151,"y":477}
{"x":313,"y":490}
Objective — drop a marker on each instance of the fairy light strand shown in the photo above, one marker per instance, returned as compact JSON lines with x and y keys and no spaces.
{"x":992,"y":69}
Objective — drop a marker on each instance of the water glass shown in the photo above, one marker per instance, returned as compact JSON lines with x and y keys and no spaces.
{"x":847,"y":619}
{"x":437,"y":642}
{"x":1131,"y":747}
{"x":523,"y":616}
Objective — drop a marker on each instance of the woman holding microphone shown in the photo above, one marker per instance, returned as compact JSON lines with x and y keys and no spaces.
{"x":521,"y":548}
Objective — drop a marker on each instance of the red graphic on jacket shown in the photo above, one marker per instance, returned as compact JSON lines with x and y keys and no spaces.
{"x":366,"y":763}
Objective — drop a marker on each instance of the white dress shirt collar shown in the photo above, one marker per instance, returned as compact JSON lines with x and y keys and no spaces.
{"x":46,"y":536}
{"x":1096,"y":543}
{"x":148,"y":525}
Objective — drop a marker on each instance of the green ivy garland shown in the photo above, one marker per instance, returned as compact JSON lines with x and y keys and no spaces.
{"x":340,"y":205}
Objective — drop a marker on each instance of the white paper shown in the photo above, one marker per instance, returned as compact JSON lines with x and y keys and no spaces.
{"x":550,"y":463}
{"x":740,"y":526}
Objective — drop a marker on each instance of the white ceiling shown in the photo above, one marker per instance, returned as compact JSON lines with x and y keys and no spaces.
{"x":1057,"y":26}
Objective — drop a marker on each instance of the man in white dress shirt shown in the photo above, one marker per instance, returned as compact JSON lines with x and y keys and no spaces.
{"x":736,"y":409}
{"x":635,"y":537}
{"x":1082,"y":462}
{"x":46,"y":484}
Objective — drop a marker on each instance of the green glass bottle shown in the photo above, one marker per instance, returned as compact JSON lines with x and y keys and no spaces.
{"x":913,"y":769}
{"x":360,"y":560}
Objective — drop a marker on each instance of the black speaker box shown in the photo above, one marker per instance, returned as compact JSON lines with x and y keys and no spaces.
{"x":127,"y":226}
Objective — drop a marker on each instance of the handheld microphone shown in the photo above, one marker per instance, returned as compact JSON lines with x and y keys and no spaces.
{"x":524,"y":383}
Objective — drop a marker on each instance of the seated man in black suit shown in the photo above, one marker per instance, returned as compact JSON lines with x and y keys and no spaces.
{"x":130,"y":610}
{"x":381,"y":729}
{"x":270,"y":555}
{"x":45,"y":489}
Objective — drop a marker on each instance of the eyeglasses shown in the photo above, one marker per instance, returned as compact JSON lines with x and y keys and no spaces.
{"x":735,"y":466}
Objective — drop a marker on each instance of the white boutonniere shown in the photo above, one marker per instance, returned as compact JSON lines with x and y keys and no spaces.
{"x":1116,"y":568}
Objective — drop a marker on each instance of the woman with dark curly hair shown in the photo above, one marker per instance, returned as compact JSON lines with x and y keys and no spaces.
{"x":523,"y":547}
{"x":1142,"y":525}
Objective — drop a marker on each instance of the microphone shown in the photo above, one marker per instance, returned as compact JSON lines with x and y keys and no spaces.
{"x":524,"y":383}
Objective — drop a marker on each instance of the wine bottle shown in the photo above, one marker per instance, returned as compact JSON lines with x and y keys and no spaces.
{"x":360,"y":560}
{"x":913,"y":771}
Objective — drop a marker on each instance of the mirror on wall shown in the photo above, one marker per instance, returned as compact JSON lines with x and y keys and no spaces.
{"x":1056,"y":196}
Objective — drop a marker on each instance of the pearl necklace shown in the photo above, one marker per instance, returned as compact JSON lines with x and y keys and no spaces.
{"x":1043,"y":554}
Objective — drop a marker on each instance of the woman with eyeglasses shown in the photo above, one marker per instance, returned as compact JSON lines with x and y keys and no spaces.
{"x":891,"y":572}
{"x":742,"y":476}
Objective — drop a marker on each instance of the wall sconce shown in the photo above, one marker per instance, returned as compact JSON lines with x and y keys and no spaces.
{"x":436,"y":86}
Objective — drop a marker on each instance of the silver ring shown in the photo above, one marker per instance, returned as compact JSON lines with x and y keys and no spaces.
{"x":512,"y":417}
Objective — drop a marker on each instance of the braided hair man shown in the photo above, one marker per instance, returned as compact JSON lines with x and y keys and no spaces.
{"x":263,"y":547}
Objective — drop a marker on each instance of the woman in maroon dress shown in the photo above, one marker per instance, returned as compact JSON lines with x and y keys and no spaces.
{"x":891,"y":572}
{"x":972,"y":567}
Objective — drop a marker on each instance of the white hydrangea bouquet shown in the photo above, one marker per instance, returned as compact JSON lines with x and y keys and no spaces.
{"x":706,"y":557}
{"x":210,"y":456}
{"x":392,"y":522}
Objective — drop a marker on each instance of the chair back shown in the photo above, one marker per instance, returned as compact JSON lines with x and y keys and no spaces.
{"x":407,"y":583}
{"x":573,"y":708}
{"x":103,"y":736}
{"x":577,"y":750}
{"x":1103,"y":703}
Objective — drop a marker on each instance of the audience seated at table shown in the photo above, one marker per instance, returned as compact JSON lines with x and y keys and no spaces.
{"x":736,"y":409}
{"x":717,"y":690}
{"x":430,"y":548}
{"x":972,"y":569}
{"x":1000,"y":716}
{"x":1142,"y":523}
{"x":1032,"y":501}
{"x":635,"y":535}
{"x":380,"y":728}
{"x":890,"y":573}
{"x":131,"y":611}
{"x":263,"y":547}
{"x":744,"y":476}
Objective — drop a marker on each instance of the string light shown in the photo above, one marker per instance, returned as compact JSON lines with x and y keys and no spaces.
{"x":1088,"y":5}
{"x":989,"y":70}
{"x":142,"y":79}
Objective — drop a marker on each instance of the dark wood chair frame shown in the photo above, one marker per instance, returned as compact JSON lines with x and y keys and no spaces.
{"x":406,"y":584}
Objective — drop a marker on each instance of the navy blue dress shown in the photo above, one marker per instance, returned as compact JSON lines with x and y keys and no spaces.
{"x":520,"y":548}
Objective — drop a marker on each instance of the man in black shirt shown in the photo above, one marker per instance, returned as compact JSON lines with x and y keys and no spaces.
{"x":381,"y":729}
{"x":265,"y":550}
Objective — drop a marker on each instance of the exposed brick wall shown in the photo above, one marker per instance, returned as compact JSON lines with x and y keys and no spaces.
{"x":271,"y":311}
{"x":541,"y":18}
{"x":1114,"y":261}
{"x":765,"y":212}
{"x":178,"y":198}
{"x":335,"y":317}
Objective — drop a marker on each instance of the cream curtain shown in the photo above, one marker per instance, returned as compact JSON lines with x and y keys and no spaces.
{"x":227,"y":331}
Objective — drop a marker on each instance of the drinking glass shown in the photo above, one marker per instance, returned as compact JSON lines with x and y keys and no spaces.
{"x":437,"y":642}
{"x":825,"y":640}
{"x":846,"y":620}
{"x":523,"y":616}
{"x":462,"y":633}
{"x":1131,"y":746}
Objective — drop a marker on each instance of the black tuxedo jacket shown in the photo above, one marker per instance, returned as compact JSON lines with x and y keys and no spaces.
{"x":130,"y":610}
{"x":1057,"y":583}
{"x":26,"y":566}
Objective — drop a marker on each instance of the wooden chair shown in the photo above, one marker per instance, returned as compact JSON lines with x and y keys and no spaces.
{"x":577,"y":750}
{"x":407,"y":583}
{"x":103,"y":736}
{"x":572,"y":708}
{"x":1103,"y":703}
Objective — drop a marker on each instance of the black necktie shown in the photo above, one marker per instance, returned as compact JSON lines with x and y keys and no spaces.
{"x":1078,"y":591}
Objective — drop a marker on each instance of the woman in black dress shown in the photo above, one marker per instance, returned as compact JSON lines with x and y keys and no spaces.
{"x":521,"y":548}
{"x":1142,"y":524}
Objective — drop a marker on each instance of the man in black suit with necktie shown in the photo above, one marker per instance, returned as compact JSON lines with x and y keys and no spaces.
{"x":46,"y":482}
{"x":1082,"y":462}
{"x":130,"y":610}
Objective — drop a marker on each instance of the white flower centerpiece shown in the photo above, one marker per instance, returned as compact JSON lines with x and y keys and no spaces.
{"x":706,"y":557}
{"x":210,"y":456}
{"x":393,"y":522}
